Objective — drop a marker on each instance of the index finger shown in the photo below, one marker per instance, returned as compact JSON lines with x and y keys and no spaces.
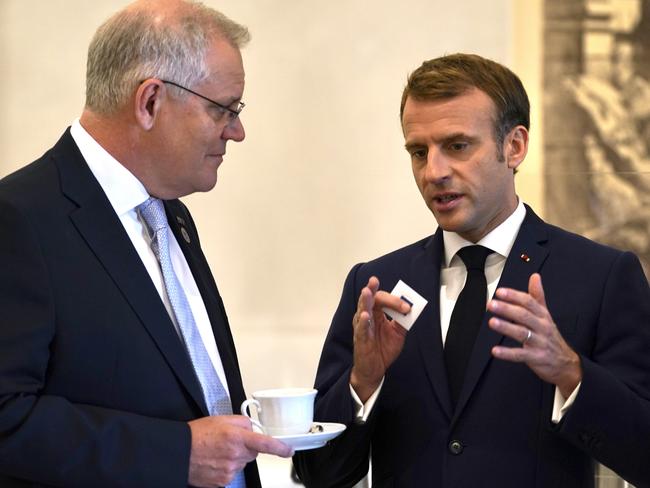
{"x":367,"y":295}
{"x":520,"y":298}
{"x":267,"y":444}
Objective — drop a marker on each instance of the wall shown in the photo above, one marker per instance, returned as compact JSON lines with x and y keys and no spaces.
{"x":322,"y":180}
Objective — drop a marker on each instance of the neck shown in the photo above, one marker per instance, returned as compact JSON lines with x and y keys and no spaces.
{"x":119,"y":137}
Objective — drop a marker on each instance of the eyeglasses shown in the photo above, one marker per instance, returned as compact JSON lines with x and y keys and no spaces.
{"x":223,"y":110}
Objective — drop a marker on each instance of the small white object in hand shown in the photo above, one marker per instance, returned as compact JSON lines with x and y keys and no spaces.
{"x":410,"y":296}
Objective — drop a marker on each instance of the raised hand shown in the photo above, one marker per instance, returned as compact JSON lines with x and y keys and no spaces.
{"x":378,"y":341}
{"x":524,"y":317}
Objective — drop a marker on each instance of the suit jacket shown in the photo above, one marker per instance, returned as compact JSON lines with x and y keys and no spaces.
{"x":500,"y":434}
{"x":95,"y":386}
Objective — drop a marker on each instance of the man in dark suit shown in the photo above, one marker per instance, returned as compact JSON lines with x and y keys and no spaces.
{"x":556,"y":372}
{"x":117,"y":365}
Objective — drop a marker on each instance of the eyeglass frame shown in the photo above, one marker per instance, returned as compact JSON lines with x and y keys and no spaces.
{"x":232,"y":113}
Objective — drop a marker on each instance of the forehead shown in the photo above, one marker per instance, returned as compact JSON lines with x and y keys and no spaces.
{"x":471,"y":113}
{"x":224,"y":62}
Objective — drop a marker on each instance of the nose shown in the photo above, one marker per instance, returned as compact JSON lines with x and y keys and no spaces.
{"x":437,"y":170}
{"x":234,"y":131}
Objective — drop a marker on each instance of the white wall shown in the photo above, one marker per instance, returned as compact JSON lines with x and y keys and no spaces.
{"x":322,"y":180}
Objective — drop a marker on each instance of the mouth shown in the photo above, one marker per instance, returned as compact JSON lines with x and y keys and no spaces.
{"x":447,"y":200}
{"x":444,"y":198}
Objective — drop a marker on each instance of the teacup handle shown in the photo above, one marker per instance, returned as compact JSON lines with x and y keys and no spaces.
{"x":244,"y":411}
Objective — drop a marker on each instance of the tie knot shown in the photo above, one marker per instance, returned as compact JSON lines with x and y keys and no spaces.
{"x":474,"y":257}
{"x":153,"y":213}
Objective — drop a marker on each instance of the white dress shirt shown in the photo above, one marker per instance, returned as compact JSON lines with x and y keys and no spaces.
{"x":453,"y":272}
{"x":452,"y":280}
{"x":125,"y":192}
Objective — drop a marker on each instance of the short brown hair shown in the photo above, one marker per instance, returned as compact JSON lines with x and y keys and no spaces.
{"x":452,"y":75}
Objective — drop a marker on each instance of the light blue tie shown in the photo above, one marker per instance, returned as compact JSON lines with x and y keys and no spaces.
{"x":216,"y":397}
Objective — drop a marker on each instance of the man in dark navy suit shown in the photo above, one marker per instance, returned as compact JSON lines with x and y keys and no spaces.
{"x":117,"y":365}
{"x":531,"y":356}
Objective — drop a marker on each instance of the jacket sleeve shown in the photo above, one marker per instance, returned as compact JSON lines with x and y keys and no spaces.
{"x":610,"y":418}
{"x":50,"y":439}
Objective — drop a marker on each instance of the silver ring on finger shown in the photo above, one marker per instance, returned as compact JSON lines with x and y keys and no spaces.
{"x":529,"y":335}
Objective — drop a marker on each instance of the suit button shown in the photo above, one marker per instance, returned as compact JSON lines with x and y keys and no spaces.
{"x":455,"y":447}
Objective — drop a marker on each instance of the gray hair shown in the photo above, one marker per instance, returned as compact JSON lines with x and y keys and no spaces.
{"x":132,"y":46}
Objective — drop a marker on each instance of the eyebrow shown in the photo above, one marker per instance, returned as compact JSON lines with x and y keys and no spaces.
{"x":445,"y":140}
{"x":413,"y":145}
{"x":230,"y":101}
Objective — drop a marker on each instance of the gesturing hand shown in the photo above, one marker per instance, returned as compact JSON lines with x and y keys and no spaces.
{"x":524,"y":317}
{"x":377,"y":340}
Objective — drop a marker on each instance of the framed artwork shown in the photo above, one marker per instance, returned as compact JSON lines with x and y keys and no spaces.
{"x":596,"y":102}
{"x":596,"y":150}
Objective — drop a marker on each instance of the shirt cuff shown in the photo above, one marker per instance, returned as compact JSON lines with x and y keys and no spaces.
{"x":363,"y":409}
{"x":561,"y":405}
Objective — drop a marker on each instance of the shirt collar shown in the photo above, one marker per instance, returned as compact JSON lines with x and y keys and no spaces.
{"x":500,"y":239}
{"x":123,"y":190}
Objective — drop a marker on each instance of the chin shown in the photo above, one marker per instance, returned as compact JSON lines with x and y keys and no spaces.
{"x":207,"y":184}
{"x":450,"y":226}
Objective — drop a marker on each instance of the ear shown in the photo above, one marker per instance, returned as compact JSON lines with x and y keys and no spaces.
{"x":148,"y":100}
{"x":515,"y":146}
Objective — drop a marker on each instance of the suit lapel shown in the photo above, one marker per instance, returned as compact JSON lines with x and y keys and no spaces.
{"x":515,"y":275}
{"x":425,"y":276}
{"x":184,"y":230}
{"x":101,"y":228}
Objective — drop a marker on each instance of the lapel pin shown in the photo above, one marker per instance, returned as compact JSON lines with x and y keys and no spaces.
{"x":524,"y":257}
{"x":185,"y":235}
{"x":180,"y":220}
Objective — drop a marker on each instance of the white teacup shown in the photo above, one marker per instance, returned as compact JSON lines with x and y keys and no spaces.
{"x":282,"y":411}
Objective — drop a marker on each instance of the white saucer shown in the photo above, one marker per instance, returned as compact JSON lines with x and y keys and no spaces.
{"x":302,"y":442}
